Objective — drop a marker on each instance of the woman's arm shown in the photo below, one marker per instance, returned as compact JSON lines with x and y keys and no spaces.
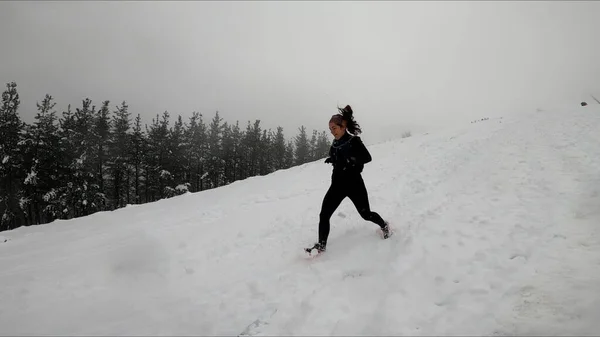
{"x":359,"y":154}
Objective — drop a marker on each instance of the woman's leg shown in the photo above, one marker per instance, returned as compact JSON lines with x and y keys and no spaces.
{"x":333,"y":198}
{"x":357,"y":192}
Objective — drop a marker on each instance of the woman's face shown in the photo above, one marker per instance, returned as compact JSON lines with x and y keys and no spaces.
{"x":336,"y":130}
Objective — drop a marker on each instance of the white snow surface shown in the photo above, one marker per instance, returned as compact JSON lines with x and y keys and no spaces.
{"x":497,"y":232}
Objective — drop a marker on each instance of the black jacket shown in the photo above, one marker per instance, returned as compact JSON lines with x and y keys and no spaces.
{"x":348,"y":155}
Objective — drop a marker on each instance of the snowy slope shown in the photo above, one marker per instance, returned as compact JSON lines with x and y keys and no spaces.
{"x":497,"y":233}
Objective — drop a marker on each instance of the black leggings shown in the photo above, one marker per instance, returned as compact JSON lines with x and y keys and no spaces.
{"x":357,"y":192}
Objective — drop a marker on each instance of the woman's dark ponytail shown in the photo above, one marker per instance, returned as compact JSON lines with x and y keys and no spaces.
{"x":352,"y":126}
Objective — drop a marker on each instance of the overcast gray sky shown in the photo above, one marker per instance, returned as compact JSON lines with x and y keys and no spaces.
{"x":401,"y":65}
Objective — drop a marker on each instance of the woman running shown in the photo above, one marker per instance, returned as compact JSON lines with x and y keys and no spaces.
{"x":348,"y":155}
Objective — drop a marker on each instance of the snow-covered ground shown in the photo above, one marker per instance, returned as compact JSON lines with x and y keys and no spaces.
{"x":497,"y":233}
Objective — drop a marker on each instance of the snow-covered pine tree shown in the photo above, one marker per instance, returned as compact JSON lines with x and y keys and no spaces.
{"x":214,"y":165}
{"x":228,"y":154}
{"x":246,"y":161}
{"x":236,"y":141}
{"x":101,"y":140}
{"x":119,"y":153}
{"x":278,"y":150}
{"x":61,"y":204}
{"x":176,"y":163}
{"x":302,"y":147}
{"x":265,"y":153}
{"x":252,"y":150}
{"x":323,"y":145}
{"x":157,"y":157}
{"x":196,"y":151}
{"x":137,"y":161}
{"x":11,"y":160}
{"x":289,"y":157}
{"x":86,"y":196}
{"x":313,"y":146}
{"x":42,"y":167}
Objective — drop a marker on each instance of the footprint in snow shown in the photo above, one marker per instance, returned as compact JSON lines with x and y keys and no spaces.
{"x":522,"y":256}
{"x":353,"y":274}
{"x":255,"y":327}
